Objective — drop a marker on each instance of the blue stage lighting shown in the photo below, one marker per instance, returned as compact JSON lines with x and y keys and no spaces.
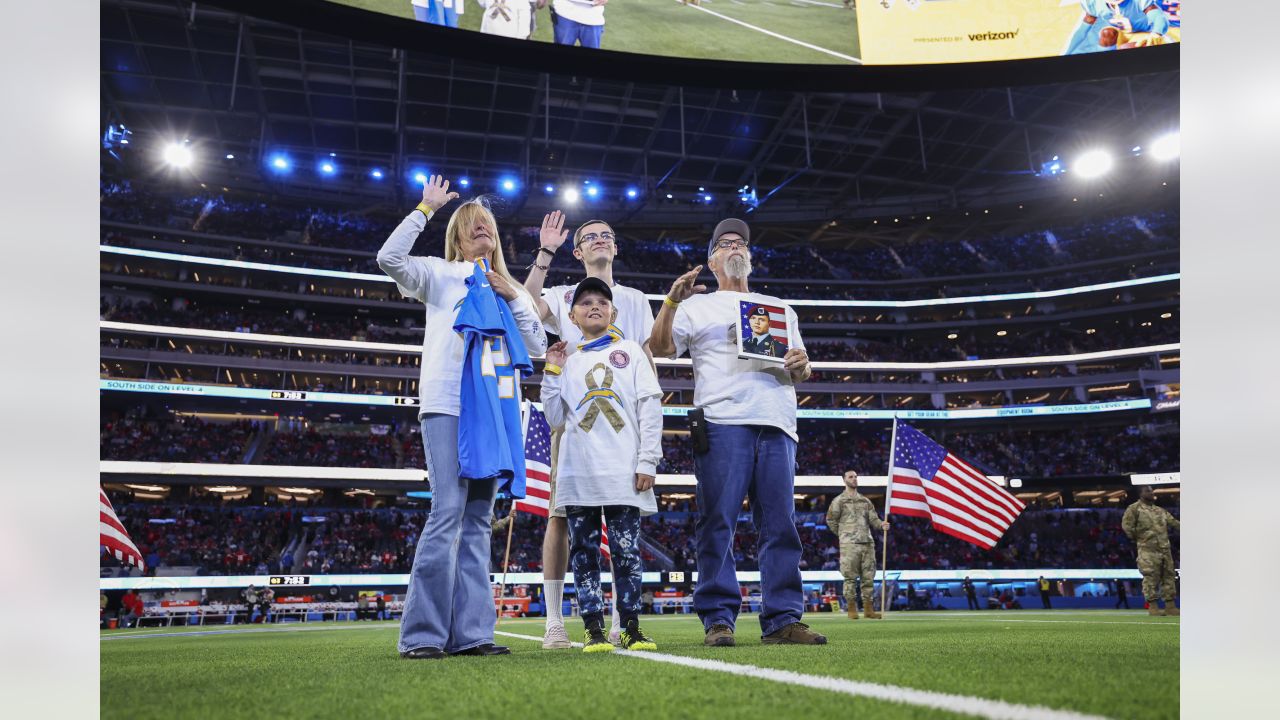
{"x":464,"y":182}
{"x":550,"y":189}
{"x":632,"y":193}
{"x":376,"y":174}
{"x":592,"y":191}
{"x":508,"y":184}
{"x":280,"y":163}
{"x":328,"y":168}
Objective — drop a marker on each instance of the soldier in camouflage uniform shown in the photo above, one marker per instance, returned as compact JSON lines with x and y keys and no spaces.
{"x":852,"y":518}
{"x":1147,"y":525}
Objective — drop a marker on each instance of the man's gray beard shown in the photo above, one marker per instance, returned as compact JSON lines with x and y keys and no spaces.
{"x":738,"y":268}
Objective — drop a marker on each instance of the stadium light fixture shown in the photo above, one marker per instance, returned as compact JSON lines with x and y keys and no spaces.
{"x":508,"y":184}
{"x":1092,"y":164}
{"x":668,"y":196}
{"x":706,"y":198}
{"x":571,"y":196}
{"x":376,"y":174}
{"x":464,"y":182}
{"x":549,"y":189}
{"x":632,"y":193}
{"x":328,"y":168}
{"x":593,"y":191}
{"x":178,"y":155}
{"x":231,"y":156}
{"x":280,"y":163}
{"x":420,"y":177}
{"x":1167,"y":147}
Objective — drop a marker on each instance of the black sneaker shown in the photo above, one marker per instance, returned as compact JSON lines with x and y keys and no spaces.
{"x":633,"y":638}
{"x":596,"y":641}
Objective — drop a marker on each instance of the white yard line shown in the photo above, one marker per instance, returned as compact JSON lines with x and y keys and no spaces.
{"x":771,"y":33}
{"x":962,"y":704}
{"x":815,"y":2}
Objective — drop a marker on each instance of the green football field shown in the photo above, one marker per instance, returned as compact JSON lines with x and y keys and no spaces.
{"x":992,"y":664}
{"x":786,"y":31}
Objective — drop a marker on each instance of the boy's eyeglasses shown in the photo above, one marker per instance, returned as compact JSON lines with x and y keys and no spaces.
{"x":592,"y":237}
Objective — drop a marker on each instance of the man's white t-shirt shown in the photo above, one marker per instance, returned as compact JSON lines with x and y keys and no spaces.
{"x":597,"y":464}
{"x":635,"y":315}
{"x":579,"y":11}
{"x":730,"y":390}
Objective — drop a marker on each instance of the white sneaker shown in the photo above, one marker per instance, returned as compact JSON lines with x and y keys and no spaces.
{"x":556,"y":638}
{"x":615,"y":636}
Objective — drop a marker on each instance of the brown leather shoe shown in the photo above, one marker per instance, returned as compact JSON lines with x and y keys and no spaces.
{"x":797,"y":633}
{"x":871,"y":613}
{"x":719,"y":636}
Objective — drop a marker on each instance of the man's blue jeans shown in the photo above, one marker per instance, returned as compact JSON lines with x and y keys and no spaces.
{"x":568,"y":32}
{"x":757,"y":462}
{"x":450,"y":600}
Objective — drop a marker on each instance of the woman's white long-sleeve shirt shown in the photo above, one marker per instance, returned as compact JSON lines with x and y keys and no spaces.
{"x":441,"y":285}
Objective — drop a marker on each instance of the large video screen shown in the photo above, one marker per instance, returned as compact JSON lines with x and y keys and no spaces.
{"x":852,"y":32}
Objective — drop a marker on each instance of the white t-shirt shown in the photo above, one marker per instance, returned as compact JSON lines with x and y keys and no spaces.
{"x":508,"y":18}
{"x":579,"y":11}
{"x":635,"y":315}
{"x":730,"y":390}
{"x":441,"y":286}
{"x":598,"y":463}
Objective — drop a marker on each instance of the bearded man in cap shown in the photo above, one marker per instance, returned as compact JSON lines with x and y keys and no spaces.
{"x":750,"y":411}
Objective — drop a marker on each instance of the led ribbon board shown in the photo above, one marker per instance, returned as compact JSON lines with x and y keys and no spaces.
{"x":222,"y":391}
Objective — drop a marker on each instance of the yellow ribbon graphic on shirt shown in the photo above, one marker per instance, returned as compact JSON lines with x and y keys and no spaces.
{"x":499,"y":8}
{"x":599,"y":398}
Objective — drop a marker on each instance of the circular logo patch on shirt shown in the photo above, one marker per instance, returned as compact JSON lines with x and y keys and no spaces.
{"x":568,"y":296}
{"x":619,"y":359}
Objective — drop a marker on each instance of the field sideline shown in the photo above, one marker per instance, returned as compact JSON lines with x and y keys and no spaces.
{"x":1033,"y":664}
{"x":671,"y":29}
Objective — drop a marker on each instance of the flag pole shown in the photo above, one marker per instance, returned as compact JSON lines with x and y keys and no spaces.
{"x":506,"y":556}
{"x":884,"y":531}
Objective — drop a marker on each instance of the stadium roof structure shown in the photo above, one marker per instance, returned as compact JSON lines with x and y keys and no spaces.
{"x":240,"y":88}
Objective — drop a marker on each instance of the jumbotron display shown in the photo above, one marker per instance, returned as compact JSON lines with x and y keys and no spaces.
{"x":870,"y":32}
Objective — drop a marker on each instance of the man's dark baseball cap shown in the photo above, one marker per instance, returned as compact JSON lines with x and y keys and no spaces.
{"x":592,"y":284}
{"x":728,"y":225}
{"x":758,"y":310}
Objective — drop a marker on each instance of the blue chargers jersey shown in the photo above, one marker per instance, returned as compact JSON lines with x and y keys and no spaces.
{"x":490,"y":443}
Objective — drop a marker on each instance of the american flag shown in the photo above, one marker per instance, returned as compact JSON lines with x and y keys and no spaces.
{"x":537,"y":470}
{"x":927,"y":481}
{"x":113,"y":536}
{"x":777,"y":320}
{"x":537,"y":463}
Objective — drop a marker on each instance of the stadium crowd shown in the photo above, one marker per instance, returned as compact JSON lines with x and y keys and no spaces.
{"x":922,"y":257}
{"x":822,"y":450}
{"x":137,"y":435}
{"x":246,"y":539}
{"x":897,"y":347}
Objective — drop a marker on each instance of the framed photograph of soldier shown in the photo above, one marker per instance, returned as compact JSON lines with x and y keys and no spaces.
{"x":763,"y":331}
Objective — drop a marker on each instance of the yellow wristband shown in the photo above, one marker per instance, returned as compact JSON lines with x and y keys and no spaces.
{"x":669,"y":302}
{"x":552,"y":369}
{"x":426,"y":209}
